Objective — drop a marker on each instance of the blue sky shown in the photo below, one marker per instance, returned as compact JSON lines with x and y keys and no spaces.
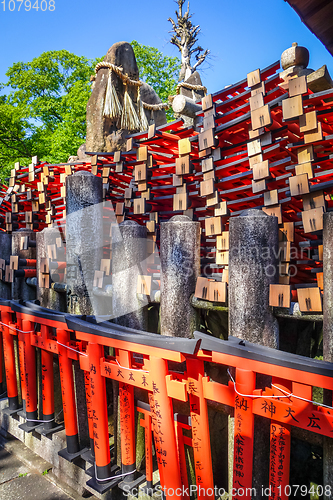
{"x":242,"y":35}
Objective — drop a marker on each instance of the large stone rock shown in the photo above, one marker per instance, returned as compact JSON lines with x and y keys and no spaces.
{"x":104,"y":134}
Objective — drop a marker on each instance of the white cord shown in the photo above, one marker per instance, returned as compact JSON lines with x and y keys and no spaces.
{"x":113,"y":477}
{"x":132,"y":369}
{"x":16,"y":329}
{"x":288,"y":395}
{"x":71,"y":348}
{"x":45,"y":421}
{"x":254,"y":395}
{"x":307,"y":400}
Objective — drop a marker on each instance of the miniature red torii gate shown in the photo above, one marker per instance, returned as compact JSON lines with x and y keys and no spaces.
{"x":141,"y":360}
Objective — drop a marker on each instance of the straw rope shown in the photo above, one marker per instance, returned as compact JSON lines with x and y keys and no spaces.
{"x":189,"y":86}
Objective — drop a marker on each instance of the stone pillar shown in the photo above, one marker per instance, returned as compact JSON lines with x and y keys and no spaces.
{"x":328,"y":335}
{"x":84,"y":246}
{"x":47,"y":296}
{"x":253,"y":266}
{"x":180,"y":268}
{"x":21,"y":238}
{"x":129,"y":260}
{"x":6,"y":250}
{"x":84,"y":239}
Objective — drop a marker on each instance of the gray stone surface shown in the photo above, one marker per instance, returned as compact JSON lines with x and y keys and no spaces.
{"x":149,"y":96}
{"x":319,"y":80}
{"x":48,"y":297}
{"x":104,"y":134}
{"x":253,"y":266}
{"x":20,"y":290}
{"x":328,"y":333}
{"x":98,"y":127}
{"x":253,"y":259}
{"x":6,"y":250}
{"x":129,"y":254}
{"x":84,"y":240}
{"x":295,"y":56}
{"x":180,"y":267}
{"x":328,"y":287}
{"x":46,"y":448}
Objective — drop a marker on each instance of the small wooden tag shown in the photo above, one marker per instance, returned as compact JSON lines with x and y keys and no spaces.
{"x":222,"y":241}
{"x":313,"y":220}
{"x":298,"y":86}
{"x":279,"y":295}
{"x":299,"y":185}
{"x":261,"y":117}
{"x":261,"y":171}
{"x":144,"y":285}
{"x":253,"y":78}
{"x":292,"y":107}
{"x":309,"y":299}
{"x":213,"y":225}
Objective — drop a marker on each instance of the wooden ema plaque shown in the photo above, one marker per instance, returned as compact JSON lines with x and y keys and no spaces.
{"x":261,"y":171}
{"x":271,"y":198}
{"x":279,"y":295}
{"x":314,"y":200}
{"x":144,"y":285}
{"x":292,"y":107}
{"x":211,"y":290}
{"x":313,"y":220}
{"x":184,"y":146}
{"x":183,"y":165}
{"x":254,"y":147}
{"x":206,"y":140}
{"x":275,"y":211}
{"x":304,"y":168}
{"x":314,"y":135}
{"x":261,"y":117}
{"x":286,"y":232}
{"x":253,"y":160}
{"x":299,"y":185}
{"x":298,"y":86}
{"x":258,"y":186}
{"x":308,"y":121}
{"x":222,"y":242}
{"x":207,"y":164}
{"x":221,"y":209}
{"x":305,"y":154}
{"x":213,"y":225}
{"x":309,"y":299}
{"x":253,"y":78}
{"x":256,"y":101}
{"x":222,"y":258}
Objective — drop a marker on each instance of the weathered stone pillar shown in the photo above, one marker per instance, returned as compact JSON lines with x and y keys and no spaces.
{"x":84,"y":239}
{"x":328,"y":335}
{"x":23,"y":245}
{"x":84,"y":245}
{"x":180,"y":268}
{"x":129,"y":254}
{"x":47,"y":296}
{"x":253,"y":266}
{"x":5,"y":253}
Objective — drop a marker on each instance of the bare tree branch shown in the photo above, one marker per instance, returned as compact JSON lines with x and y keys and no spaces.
{"x":185,"y":36}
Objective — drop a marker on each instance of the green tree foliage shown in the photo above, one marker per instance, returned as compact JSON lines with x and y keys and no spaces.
{"x":161,"y":72}
{"x":43,"y":109}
